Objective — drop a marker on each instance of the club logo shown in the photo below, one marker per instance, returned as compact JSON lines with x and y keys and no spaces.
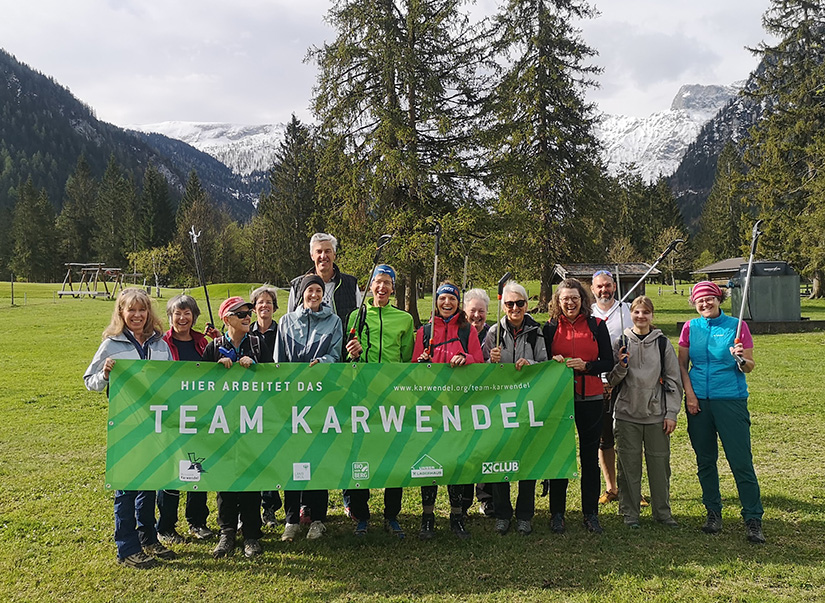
{"x":360,"y":471}
{"x":190,"y":470}
{"x":490,"y":467}
{"x":301,"y":472}
{"x":426,"y":466}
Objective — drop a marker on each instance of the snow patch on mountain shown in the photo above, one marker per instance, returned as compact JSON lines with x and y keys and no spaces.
{"x":656,"y":144}
{"x":244,"y":149}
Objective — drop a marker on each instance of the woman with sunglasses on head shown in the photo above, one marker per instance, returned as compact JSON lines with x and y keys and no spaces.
{"x":241,"y":347}
{"x":581,"y":341}
{"x":311,"y":333}
{"x":520,"y":342}
{"x":134,"y":333}
{"x":713,"y":365}
{"x":450,"y":339}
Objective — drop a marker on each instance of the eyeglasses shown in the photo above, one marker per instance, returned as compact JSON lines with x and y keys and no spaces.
{"x":242,"y":314}
{"x":519,"y":302}
{"x":569,"y":300}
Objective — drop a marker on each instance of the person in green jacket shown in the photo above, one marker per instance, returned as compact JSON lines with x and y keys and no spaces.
{"x":383,"y":334}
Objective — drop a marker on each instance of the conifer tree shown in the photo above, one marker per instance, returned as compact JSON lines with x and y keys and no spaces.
{"x":113,"y":213}
{"x":394,"y":98}
{"x":155,"y":219}
{"x":33,"y":236}
{"x":76,"y":223}
{"x":543,"y":150}
{"x":785,"y":152}
{"x":198,"y":210}
{"x":720,"y":226}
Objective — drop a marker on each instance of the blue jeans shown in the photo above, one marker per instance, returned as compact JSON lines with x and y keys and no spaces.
{"x":134,"y":521}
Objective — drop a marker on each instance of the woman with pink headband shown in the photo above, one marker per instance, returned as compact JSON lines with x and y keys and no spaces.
{"x":713,"y":364}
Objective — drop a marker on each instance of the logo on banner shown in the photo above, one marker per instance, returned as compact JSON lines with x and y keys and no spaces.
{"x":301,"y":472}
{"x":499,"y":467}
{"x":360,"y":470}
{"x":190,"y":470}
{"x":426,"y":466}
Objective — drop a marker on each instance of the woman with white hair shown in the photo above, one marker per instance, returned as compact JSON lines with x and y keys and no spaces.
{"x":515,"y":339}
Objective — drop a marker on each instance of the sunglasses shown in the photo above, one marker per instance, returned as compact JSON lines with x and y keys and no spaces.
{"x":242,"y":313}
{"x":602,"y":272}
{"x":519,"y":302}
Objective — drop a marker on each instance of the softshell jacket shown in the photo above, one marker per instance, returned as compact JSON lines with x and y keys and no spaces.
{"x":117,"y":347}
{"x":268,"y":336}
{"x":304,"y":336}
{"x":576,"y":339}
{"x":447,"y":344}
{"x":640,"y":397}
{"x":713,"y":372}
{"x":387,"y":335}
{"x":198,"y":338}
{"x":344,"y":298}
{"x":513,"y":349}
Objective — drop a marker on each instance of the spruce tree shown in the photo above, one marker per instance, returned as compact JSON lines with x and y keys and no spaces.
{"x":33,"y":236}
{"x":394,"y":97}
{"x":156,"y":218}
{"x":720,"y":226}
{"x":76,"y":223}
{"x":113,"y":214}
{"x":543,"y":150}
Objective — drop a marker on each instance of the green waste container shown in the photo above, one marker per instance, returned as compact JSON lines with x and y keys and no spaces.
{"x":773,"y":295}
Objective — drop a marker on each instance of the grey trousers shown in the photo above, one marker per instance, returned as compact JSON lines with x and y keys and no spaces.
{"x":631,"y":438}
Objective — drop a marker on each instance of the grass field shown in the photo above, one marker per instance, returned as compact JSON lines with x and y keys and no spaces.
{"x":56,"y":518}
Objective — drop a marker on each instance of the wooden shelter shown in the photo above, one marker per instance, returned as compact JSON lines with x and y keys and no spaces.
{"x":629,"y":273}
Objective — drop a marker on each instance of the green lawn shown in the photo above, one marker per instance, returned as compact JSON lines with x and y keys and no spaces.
{"x":56,"y":518}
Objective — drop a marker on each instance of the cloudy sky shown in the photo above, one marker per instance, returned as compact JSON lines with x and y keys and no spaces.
{"x":241,"y":61}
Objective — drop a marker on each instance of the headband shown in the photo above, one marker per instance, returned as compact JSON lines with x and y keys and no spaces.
{"x":448,"y":288}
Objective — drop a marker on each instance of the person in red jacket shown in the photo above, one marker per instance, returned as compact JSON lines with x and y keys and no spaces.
{"x":185,"y":343}
{"x":581,"y":341}
{"x":448,"y":339}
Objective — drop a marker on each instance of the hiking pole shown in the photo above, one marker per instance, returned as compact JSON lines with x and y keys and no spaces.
{"x":437,"y":234}
{"x":674,"y":245}
{"x":622,"y":338}
{"x":501,"y":282}
{"x":754,"y":238}
{"x":199,"y":269}
{"x":362,"y":309}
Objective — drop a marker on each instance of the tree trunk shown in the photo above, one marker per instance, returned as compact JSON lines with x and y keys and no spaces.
{"x":411,"y":305}
{"x":401,"y":293}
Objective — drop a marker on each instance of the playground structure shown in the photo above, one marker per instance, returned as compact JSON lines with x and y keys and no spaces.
{"x":92,"y":277}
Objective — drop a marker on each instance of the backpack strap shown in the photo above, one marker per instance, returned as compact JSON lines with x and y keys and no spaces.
{"x":463,"y":336}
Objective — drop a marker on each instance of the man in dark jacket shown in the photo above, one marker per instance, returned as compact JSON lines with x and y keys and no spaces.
{"x":340,"y":290}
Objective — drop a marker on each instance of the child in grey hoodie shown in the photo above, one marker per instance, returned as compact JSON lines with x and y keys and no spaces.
{"x":647,"y":401}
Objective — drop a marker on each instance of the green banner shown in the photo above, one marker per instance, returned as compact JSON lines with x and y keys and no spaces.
{"x":199,"y":426}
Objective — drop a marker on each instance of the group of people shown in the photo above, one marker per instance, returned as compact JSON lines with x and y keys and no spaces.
{"x":628,"y":390}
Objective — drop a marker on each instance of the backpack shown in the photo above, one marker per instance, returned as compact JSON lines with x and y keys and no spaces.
{"x":254,"y":343}
{"x":663,"y":343}
{"x":463,"y":336}
{"x":549,"y":330}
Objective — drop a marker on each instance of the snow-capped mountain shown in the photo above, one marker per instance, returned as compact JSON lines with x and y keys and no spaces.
{"x":657,"y":143}
{"x":244,"y":149}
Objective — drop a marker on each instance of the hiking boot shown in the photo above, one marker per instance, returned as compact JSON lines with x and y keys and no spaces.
{"x":458,"y":528}
{"x":753,"y":527}
{"x":138,"y":560}
{"x":226,"y":545}
{"x":427,"y":530}
{"x":502,"y":526}
{"x":524,"y":527}
{"x":591,"y":522}
{"x":608,"y":497}
{"x":268,"y":518}
{"x":361,"y":528}
{"x":291,"y":532}
{"x":557,"y":523}
{"x":171,"y":537}
{"x":159,"y":551}
{"x":316,"y":530}
{"x":393,"y":527}
{"x":632,"y":523}
{"x":201,"y":532}
{"x":487,"y":508}
{"x":669,"y":522}
{"x":713,"y":523}
{"x":251,"y":548}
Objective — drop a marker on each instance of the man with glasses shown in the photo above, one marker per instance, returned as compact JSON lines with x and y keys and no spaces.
{"x":614,"y":313}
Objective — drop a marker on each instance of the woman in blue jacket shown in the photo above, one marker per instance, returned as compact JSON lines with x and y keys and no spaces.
{"x":713,"y":367}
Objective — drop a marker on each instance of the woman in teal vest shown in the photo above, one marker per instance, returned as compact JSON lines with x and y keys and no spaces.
{"x":713,"y":366}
